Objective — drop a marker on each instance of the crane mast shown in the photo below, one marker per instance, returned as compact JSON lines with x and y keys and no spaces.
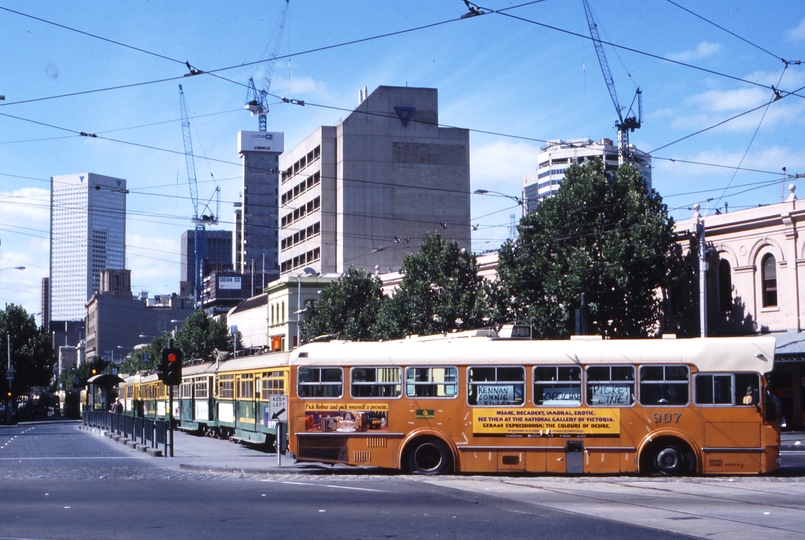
{"x":200,"y":221}
{"x":257,"y":102}
{"x":623,"y":125}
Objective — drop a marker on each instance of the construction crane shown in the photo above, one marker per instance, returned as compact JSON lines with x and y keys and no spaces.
{"x":625,"y":123}
{"x":200,"y":220}
{"x":257,"y":102}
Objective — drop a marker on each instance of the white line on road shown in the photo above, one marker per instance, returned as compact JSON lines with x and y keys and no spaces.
{"x":330,"y":486}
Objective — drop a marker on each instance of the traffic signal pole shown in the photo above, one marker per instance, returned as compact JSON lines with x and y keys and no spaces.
{"x":170,"y":373}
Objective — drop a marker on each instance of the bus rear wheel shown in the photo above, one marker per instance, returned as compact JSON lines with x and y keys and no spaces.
{"x":430,"y":456}
{"x":669,"y":457}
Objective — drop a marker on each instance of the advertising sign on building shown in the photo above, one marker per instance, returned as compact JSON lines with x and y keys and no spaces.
{"x":261,"y":141}
{"x":229,"y":282}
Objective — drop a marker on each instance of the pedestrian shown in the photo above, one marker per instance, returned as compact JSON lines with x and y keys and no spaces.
{"x":117,"y":408}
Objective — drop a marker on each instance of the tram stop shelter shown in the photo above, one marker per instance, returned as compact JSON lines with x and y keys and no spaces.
{"x":101,"y":391}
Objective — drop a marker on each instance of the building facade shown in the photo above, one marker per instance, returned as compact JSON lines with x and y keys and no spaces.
{"x":87,"y":235}
{"x":364,"y":192}
{"x":557,"y":155}
{"x":255,"y":237}
{"x":117,"y":320}
{"x":218,"y":255}
{"x":754,"y":283}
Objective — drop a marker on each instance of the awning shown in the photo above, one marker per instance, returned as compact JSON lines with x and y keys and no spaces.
{"x":790,"y":347}
{"x":107,"y":380}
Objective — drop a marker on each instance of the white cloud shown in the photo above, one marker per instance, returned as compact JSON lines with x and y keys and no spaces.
{"x":705,"y":49}
{"x":797,"y":34}
{"x":500,"y":166}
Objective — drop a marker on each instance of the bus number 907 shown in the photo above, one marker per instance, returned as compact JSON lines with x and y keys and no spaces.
{"x":667,"y":418}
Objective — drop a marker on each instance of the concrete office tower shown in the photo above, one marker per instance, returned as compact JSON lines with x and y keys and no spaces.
{"x":364,"y":192}
{"x":258,"y":240}
{"x":87,"y":235}
{"x":557,"y":155}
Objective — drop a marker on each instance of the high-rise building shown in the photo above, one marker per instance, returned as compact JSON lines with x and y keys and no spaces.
{"x":87,"y":235}
{"x":558,"y":155}
{"x":218,"y":255}
{"x":364,"y":192}
{"x":256,"y":233}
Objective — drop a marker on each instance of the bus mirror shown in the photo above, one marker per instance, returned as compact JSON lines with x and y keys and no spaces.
{"x":773,"y":407}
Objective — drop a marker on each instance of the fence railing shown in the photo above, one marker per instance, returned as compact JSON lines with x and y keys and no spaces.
{"x":145,"y":431}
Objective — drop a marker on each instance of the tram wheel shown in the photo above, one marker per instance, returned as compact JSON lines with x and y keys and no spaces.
{"x":430,"y":456}
{"x":669,"y":458}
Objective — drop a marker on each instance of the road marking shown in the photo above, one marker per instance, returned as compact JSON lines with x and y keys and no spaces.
{"x":330,"y":486}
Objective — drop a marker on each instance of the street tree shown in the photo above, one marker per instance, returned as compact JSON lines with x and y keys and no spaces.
{"x":347,"y":307}
{"x":440,"y":291}
{"x":31,"y":351}
{"x":607,"y":236}
{"x":201,"y":336}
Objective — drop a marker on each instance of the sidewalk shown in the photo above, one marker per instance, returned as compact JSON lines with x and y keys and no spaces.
{"x":199,"y":453}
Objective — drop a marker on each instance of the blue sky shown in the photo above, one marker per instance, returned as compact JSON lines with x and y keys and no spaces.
{"x":516,"y":78}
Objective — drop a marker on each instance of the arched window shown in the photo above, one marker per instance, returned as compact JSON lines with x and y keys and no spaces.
{"x":769,"y":276}
{"x":724,"y":286}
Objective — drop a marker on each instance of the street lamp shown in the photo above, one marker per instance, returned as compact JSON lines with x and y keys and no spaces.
{"x":13,"y":268}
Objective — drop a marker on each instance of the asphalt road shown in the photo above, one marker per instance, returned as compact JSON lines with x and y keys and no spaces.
{"x":57,"y":481}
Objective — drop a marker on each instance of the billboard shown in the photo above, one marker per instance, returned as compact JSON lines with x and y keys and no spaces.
{"x":261,"y":141}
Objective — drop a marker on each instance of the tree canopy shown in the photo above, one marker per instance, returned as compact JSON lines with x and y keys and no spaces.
{"x":609,"y":237}
{"x":347,"y":307}
{"x":31,"y":350}
{"x":440,"y":291}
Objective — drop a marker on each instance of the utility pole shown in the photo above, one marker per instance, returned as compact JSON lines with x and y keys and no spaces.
{"x":702,"y":270}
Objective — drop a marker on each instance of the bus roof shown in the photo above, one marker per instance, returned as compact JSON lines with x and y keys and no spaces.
{"x":729,"y":354}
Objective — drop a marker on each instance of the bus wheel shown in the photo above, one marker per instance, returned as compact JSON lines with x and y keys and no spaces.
{"x":669,"y":457}
{"x":430,"y":456}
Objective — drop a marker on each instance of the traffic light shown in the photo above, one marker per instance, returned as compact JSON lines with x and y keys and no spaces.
{"x":162,"y":368}
{"x":172,"y":360}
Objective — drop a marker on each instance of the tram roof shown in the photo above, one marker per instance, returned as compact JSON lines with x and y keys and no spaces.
{"x":708,"y":354}
{"x":254,"y":362}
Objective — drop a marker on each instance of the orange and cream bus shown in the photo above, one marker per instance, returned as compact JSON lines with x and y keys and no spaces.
{"x":475,"y":402}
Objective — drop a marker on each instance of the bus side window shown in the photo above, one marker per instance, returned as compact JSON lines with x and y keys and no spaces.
{"x":664,"y":385}
{"x":494,"y":386}
{"x":431,"y":382}
{"x":557,"y":386}
{"x":611,"y":385}
{"x":320,"y":382}
{"x":742,"y":389}
{"x":747,"y":389}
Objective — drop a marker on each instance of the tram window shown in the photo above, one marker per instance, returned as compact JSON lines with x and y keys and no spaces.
{"x":378,"y":382}
{"x":226,"y":387}
{"x":320,"y":382}
{"x":272,"y":383}
{"x":610,"y":385}
{"x":741,"y":389}
{"x":664,"y":385}
{"x":493,"y":386}
{"x":187,"y":390}
{"x":201,"y":388}
{"x":431,"y":382}
{"x":557,"y":385}
{"x":246,"y":390}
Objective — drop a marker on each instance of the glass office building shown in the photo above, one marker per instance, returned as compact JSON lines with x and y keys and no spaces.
{"x":87,"y":235}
